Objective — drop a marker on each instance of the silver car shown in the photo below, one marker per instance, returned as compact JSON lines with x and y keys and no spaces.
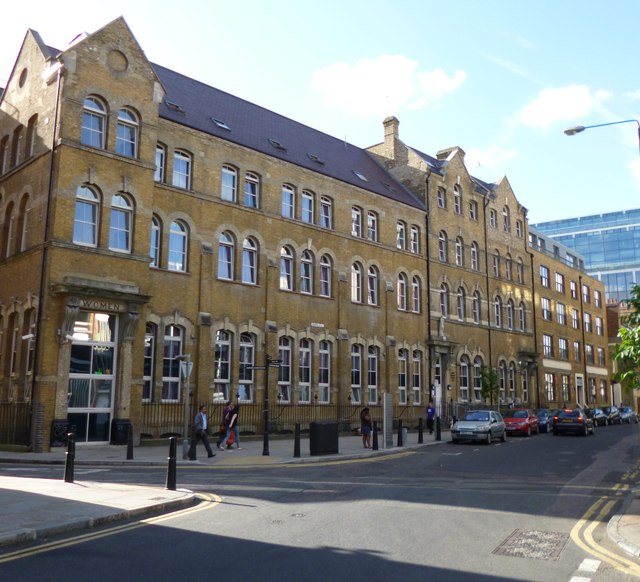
{"x":479,"y":425}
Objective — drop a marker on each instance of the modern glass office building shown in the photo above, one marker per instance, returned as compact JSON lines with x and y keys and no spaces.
{"x":609,"y":243}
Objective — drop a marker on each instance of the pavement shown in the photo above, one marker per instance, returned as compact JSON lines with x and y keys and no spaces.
{"x":35,"y":508}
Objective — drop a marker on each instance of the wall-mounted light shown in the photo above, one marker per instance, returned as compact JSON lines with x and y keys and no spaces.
{"x":29,"y":336}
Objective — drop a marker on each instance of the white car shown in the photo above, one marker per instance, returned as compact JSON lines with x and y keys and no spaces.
{"x":479,"y":425}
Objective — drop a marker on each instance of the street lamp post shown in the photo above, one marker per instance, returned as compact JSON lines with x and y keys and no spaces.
{"x":581,"y":128}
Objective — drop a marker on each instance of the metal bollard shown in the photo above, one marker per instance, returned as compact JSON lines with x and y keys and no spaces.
{"x":70,"y":457}
{"x":130,"y":443}
{"x":420,"y":431}
{"x":438,"y":435}
{"x":375,"y":435}
{"x":171,"y":469}
{"x":400,"y":443}
{"x":296,"y":442}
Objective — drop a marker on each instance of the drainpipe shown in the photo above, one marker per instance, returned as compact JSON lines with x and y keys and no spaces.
{"x":37,"y":442}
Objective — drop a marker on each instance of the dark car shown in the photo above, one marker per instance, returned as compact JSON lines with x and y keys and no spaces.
{"x":613,"y":414}
{"x":628,"y":415}
{"x":545,"y":418}
{"x":598,"y":416}
{"x":573,"y":421}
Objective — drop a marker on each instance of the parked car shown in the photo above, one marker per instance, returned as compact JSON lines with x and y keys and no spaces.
{"x":545,"y":418}
{"x":598,"y":416}
{"x":613,"y":414}
{"x":479,"y":425}
{"x":521,"y":421}
{"x":628,"y":415}
{"x":573,"y":421}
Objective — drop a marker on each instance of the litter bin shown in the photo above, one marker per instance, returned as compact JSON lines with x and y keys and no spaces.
{"x":323,"y":438}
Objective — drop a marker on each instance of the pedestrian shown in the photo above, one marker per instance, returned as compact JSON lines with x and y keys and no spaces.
{"x":431,"y":413}
{"x":232,"y":427}
{"x":366,"y":426}
{"x":199,"y":432}
{"x":223,"y":423}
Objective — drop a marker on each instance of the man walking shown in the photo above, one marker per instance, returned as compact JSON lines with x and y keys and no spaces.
{"x":200,"y":432}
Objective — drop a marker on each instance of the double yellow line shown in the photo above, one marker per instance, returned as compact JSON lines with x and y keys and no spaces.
{"x":598,"y":513}
{"x":206,"y":501}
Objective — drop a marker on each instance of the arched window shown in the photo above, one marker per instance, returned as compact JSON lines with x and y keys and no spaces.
{"x":477,"y":378}
{"x":403,"y":364}
{"x":464,"y":379}
{"x":502,"y":375}
{"x":401,"y":235}
{"x":173,"y":338}
{"x":444,"y":300}
{"x":520,"y":271}
{"x":508,"y":270}
{"x":16,"y":146}
{"x":178,"y":239}
{"x":522,"y":317}
{"x":229,"y":184}
{"x":32,"y":127}
{"x":356,"y":221}
{"x":475,"y":265}
{"x":85,"y":224}
{"x":476,"y":307}
{"x":288,"y":201}
{"x":161,"y":163}
{"x":325,"y":276}
{"x":308,"y":206}
{"x":155,"y":245}
{"x":457,"y":199}
{"x":356,"y":283}
{"x":461,"y":304}
{"x":150,"y":335}
{"x":181,"y":170}
{"x":304,"y":371}
{"x":249,"y":261}
{"x":23,"y":226}
{"x":512,"y":382}
{"x":372,"y":374}
{"x":121,"y":224}
{"x":496,"y":264}
{"x":4,"y":154}
{"x":127,"y":133}
{"x":402,"y":291}
{"x":306,"y":272}
{"x":94,"y":115}
{"x":356,"y":374}
{"x":372,"y":286}
{"x":459,"y":251}
{"x":286,"y":269}
{"x":251,"y":190}
{"x":442,"y":246}
{"x":506,"y":219}
{"x":226,"y":247}
{"x":498,"y":311}
{"x":324,"y":372}
{"x":416,"y":292}
{"x":416,"y":375}
{"x":246,"y":363}
{"x":222,"y":363}
{"x":7,"y":230}
{"x":326,"y":212}
{"x":510,"y":313}
{"x":284,"y":369}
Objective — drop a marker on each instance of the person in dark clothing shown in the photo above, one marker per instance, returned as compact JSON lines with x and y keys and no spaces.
{"x":199,"y":432}
{"x":232,"y":426}
{"x":431,"y":413}
{"x":224,"y":423}
{"x":366,"y":426}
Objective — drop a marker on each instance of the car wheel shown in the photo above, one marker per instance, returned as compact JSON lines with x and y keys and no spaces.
{"x":488,"y":438}
{"x":454,"y":441}
{"x":538,"y":429}
{"x":528,"y":431}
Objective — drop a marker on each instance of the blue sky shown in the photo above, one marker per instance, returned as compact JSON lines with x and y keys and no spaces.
{"x":498,"y":78}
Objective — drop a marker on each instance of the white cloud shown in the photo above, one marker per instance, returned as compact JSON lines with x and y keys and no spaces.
{"x":517,"y":69}
{"x":382,"y":86}
{"x":633,"y":95}
{"x":490,"y":158}
{"x":550,"y":106}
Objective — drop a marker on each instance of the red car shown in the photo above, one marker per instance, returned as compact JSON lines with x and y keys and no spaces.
{"x":521,"y":421}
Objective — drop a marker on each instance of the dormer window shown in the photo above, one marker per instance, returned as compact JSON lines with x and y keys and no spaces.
{"x":276,"y":144}
{"x":315,"y":159}
{"x":360,"y":175}
{"x":221,"y":124}
{"x":174,"y":107}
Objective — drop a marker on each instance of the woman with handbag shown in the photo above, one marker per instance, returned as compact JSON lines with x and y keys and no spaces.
{"x":223,"y":423}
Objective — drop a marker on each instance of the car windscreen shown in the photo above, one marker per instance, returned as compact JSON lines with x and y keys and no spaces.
{"x":515,"y":414}
{"x":475,"y":416}
{"x":569,"y":414}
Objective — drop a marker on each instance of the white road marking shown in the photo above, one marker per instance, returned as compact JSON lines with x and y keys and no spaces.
{"x":589,"y":565}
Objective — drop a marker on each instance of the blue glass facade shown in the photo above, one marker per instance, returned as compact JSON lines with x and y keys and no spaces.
{"x":609,"y":243}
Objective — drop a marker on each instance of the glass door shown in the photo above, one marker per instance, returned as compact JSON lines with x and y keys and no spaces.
{"x":91,"y":376}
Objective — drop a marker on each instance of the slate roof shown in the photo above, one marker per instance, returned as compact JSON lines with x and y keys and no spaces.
{"x":193,"y":104}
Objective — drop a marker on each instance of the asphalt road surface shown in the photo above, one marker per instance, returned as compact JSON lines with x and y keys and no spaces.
{"x":522,"y":510}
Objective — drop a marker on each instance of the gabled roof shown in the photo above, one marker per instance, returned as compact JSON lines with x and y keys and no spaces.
{"x":204,"y":108}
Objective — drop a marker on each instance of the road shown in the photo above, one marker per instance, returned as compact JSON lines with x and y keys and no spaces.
{"x":528,"y":509}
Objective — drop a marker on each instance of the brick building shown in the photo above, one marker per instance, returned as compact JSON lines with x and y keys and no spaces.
{"x":148,"y":219}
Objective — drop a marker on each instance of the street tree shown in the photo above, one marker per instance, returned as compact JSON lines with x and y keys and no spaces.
{"x":489,"y":384}
{"x":627,"y":351}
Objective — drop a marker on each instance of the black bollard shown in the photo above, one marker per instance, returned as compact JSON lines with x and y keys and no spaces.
{"x":130,"y":443}
{"x":171,"y":469}
{"x":70,"y":457}
{"x":375,"y":435}
{"x":438,"y":435}
{"x":296,"y":442}
{"x":420,"y":429}
{"x":400,"y":443}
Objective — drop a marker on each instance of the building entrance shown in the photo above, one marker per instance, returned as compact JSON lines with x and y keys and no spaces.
{"x":91,"y":376}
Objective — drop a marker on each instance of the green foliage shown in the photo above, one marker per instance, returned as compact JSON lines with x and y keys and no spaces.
{"x":627,"y":352}
{"x":490,"y":386}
